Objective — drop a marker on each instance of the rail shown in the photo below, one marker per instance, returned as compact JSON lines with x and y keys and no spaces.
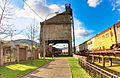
{"x":94,"y":71}
{"x":103,"y":51}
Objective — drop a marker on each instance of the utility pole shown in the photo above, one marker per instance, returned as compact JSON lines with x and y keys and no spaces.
{"x":73,"y":35}
{"x":44,"y":52}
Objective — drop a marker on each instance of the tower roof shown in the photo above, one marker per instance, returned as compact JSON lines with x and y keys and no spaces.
{"x":61,"y":17}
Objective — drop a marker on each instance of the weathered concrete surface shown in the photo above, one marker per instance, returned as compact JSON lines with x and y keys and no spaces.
{"x":56,"y":28}
{"x":59,"y":68}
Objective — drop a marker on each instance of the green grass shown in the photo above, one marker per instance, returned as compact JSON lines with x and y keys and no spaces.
{"x":77,"y":71}
{"x":63,"y":55}
{"x":17,"y":70}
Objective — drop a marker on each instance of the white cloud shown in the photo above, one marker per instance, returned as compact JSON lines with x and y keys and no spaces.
{"x":63,"y":6}
{"x":55,"y":8}
{"x":94,"y":3}
{"x":24,"y":17}
{"x":15,"y":37}
{"x":80,"y":30}
{"x":39,"y":7}
{"x":118,"y":10}
{"x":115,"y":4}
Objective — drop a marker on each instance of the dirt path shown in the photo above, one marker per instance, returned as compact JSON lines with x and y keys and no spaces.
{"x":59,"y":68}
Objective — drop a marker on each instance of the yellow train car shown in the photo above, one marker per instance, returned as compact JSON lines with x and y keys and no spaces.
{"x":106,"y":39}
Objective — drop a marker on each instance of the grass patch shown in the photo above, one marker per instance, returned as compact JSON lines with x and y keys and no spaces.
{"x":77,"y":71}
{"x":63,"y":55}
{"x":17,"y":70}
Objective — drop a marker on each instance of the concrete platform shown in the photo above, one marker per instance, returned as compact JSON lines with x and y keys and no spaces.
{"x":59,"y":68}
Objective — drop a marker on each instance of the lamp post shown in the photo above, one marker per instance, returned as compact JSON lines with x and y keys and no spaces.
{"x":44,"y":47}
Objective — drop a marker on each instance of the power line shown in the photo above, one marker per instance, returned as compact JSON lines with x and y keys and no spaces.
{"x":33,"y":10}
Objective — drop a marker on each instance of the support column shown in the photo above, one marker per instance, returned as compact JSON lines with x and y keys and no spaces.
{"x":110,"y":61}
{"x":70,"y":47}
{"x":1,"y":54}
{"x":41,"y":49}
{"x":103,"y":61}
{"x":44,"y":51}
{"x":26,"y":48}
{"x":88,"y":57}
{"x":17,"y":54}
{"x":93,"y":59}
{"x":98,"y":59}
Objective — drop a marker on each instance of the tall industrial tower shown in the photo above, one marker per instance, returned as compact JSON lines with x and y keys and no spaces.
{"x":57,"y":29}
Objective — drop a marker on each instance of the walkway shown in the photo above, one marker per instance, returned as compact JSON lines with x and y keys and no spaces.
{"x":59,"y":68}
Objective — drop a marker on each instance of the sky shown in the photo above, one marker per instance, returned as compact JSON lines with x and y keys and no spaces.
{"x":90,"y":16}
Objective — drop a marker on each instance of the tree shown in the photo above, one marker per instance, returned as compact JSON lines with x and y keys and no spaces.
{"x":5,"y":15}
{"x":32,"y":34}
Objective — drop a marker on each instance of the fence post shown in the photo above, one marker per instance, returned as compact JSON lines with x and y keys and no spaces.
{"x":93,"y":59}
{"x":26,"y":50}
{"x":101,"y":75}
{"x":79,"y":60}
{"x":110,"y":61}
{"x":1,"y":53}
{"x":98,"y":59}
{"x":103,"y":61}
{"x":94,"y":74}
{"x":17,"y":54}
{"x":86,"y":67}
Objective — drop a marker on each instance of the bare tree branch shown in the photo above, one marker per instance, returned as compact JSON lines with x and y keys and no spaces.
{"x":5,"y":15}
{"x":32,"y":32}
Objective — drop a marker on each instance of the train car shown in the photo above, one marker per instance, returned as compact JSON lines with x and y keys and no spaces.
{"x":83,"y":48}
{"x":108,"y":39}
{"x":91,"y":43}
{"x":80,"y":47}
{"x":56,"y":51}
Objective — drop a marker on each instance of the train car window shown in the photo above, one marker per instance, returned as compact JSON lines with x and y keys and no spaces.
{"x":111,"y":33}
{"x":91,"y":42}
{"x":103,"y":37}
{"x":107,"y":35}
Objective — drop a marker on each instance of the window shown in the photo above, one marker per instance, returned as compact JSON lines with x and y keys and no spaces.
{"x":91,"y":42}
{"x":107,"y":35}
{"x":103,"y":37}
{"x":111,"y":33}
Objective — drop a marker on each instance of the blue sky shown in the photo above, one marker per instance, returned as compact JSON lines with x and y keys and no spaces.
{"x":96,"y":18}
{"x":91,"y":16}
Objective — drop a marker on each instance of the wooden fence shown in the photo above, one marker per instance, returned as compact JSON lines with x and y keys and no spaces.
{"x":94,"y":71}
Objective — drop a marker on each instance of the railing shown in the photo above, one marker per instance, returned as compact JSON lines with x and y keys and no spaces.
{"x":104,"y":51}
{"x":94,"y":71}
